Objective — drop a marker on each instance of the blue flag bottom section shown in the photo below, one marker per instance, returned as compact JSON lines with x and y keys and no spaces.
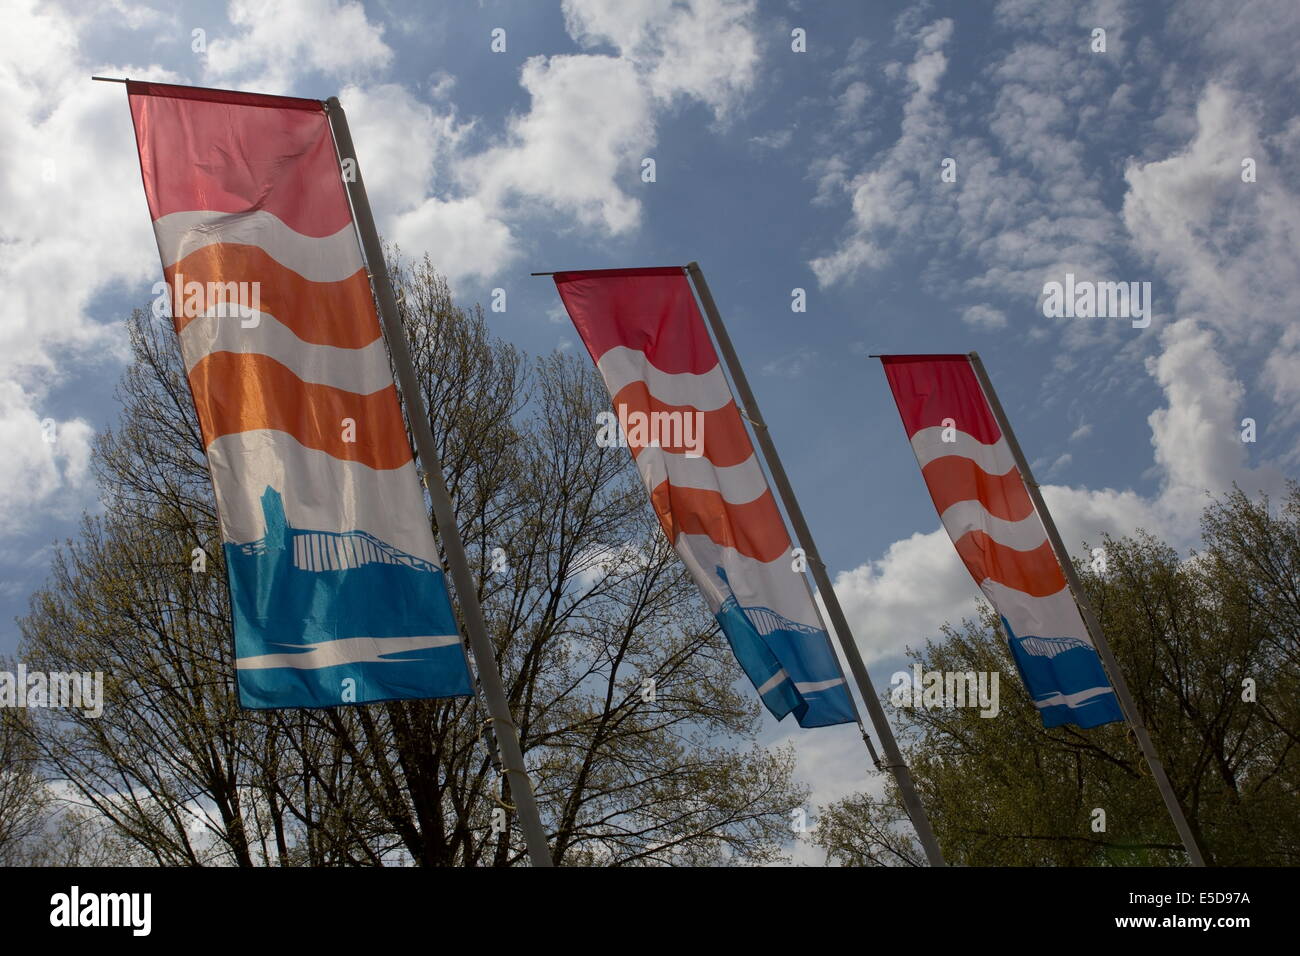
{"x":323,"y":619}
{"x":791,"y":665}
{"x":1066,"y":680}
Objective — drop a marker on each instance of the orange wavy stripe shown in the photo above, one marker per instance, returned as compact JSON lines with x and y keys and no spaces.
{"x":240,"y":392}
{"x":1032,"y":572}
{"x":323,"y":313}
{"x":754,"y":529}
{"x":726,"y":442}
{"x":954,"y":478}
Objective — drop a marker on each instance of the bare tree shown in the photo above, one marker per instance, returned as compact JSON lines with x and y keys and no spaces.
{"x":636,"y":731}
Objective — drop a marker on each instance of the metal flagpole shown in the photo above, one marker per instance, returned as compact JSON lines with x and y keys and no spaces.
{"x":521,"y":788}
{"x":893,"y":757}
{"x":1126,"y":702}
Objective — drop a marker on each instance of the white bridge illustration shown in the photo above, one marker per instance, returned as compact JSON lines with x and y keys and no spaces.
{"x":325,"y":550}
{"x":764,"y":620}
{"x":1050,"y":646}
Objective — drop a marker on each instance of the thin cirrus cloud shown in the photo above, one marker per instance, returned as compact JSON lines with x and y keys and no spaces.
{"x":1032,"y":202}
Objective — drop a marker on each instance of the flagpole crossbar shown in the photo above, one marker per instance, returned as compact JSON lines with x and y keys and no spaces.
{"x":555,"y":272}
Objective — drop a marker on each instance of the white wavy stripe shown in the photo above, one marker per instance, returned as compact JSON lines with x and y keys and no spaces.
{"x":1072,"y":700}
{"x":964,"y":516}
{"x":738,"y":484}
{"x":362,"y":370}
{"x":773,"y":682}
{"x":345,"y":650}
{"x":621,"y":366}
{"x":321,"y":492}
{"x":928,"y":444}
{"x":324,"y":259}
{"x":812,"y":687}
{"x":1053,"y":616}
{"x":772,"y":584}
{"x":803,"y":687}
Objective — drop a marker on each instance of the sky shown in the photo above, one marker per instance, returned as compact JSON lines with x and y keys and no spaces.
{"x":1167,"y":157}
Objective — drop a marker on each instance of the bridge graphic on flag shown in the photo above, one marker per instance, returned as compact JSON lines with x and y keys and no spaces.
{"x":1050,"y":646}
{"x":774,"y":651}
{"x":336,"y":591}
{"x":764,"y":620}
{"x":985,"y":505}
{"x":325,"y":550}
{"x":311,"y":598}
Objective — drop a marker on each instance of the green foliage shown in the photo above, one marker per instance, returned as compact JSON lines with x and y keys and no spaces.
{"x":1190,"y":634}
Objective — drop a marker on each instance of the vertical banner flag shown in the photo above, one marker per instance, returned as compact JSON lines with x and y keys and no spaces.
{"x":983,"y":504}
{"x":681,"y":423}
{"x":335,"y":587}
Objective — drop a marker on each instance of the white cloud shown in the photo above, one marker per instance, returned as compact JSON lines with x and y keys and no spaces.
{"x":904,"y":598}
{"x":1025,"y":205}
{"x":1061,"y":463}
{"x":885,"y":199}
{"x":276,"y":43}
{"x":835,"y":764}
{"x":408,"y":153}
{"x":1195,"y":437}
{"x":1226,"y":246}
{"x":75,"y":223}
{"x":850,"y":103}
{"x":702,"y":49}
{"x":775,"y":140}
{"x":1251,"y":42}
{"x":984,"y":317}
{"x":463,"y":239}
{"x":592,"y":117}
{"x":578,"y":148}
{"x":793,"y":364}
{"x":403,"y":144}
{"x":38,"y":475}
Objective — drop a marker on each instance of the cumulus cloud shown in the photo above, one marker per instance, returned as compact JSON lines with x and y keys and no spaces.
{"x":275,"y":43}
{"x":903,"y":598}
{"x":1225,"y":245}
{"x":578,"y":148}
{"x":592,"y":117}
{"x":66,"y":139}
{"x":44,"y":468}
{"x":984,"y":317}
{"x":701,"y":49}
{"x":575,"y":152}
